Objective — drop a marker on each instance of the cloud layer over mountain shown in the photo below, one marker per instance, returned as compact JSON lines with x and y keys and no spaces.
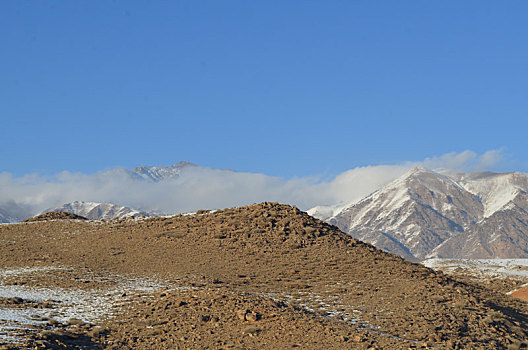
{"x":200,"y":188}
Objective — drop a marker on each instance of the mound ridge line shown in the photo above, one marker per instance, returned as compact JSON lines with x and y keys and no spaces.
{"x":311,"y":283}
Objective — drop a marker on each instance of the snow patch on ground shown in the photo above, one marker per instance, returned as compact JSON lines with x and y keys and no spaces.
{"x":484,"y":268}
{"x":66,"y":304}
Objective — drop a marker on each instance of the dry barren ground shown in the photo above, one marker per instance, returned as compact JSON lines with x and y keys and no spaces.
{"x":263,"y":276}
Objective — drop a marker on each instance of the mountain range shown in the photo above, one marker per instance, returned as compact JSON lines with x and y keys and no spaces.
{"x":11,"y":211}
{"x":440,"y":214}
{"x":160,"y":173}
{"x":99,"y":211}
{"x":422,"y":214}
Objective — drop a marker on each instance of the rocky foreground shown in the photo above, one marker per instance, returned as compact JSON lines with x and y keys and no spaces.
{"x":265,"y":276}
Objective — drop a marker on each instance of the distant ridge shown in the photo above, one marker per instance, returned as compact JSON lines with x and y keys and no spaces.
{"x":422,"y":214}
{"x":13,"y":212}
{"x":159,"y":173}
{"x":55,"y":216}
{"x":99,"y":211}
{"x":426,"y":214}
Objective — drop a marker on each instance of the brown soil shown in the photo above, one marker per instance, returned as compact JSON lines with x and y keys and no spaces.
{"x":263,"y":276}
{"x":521,"y":293}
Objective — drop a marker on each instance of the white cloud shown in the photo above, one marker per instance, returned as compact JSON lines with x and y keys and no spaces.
{"x":199,"y":188}
{"x":466,"y":161}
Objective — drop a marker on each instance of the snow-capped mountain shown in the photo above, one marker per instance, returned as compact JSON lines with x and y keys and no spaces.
{"x":426,"y":213}
{"x":503,"y":229}
{"x":159,"y":173}
{"x":325,"y":212}
{"x":421,"y":214}
{"x":6,"y":217}
{"x":144,"y":179}
{"x":495,"y":190}
{"x":12,"y":212}
{"x":99,"y":211}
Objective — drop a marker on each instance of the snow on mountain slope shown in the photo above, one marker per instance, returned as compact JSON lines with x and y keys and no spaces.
{"x":153,"y":188}
{"x":495,"y":190}
{"x":6,"y":217}
{"x":423,"y":213}
{"x":325,"y":212}
{"x":158,"y":173}
{"x":427,"y":213}
{"x":98,"y":211}
{"x":13,"y":212}
{"x":503,"y":234}
{"x":411,"y":215}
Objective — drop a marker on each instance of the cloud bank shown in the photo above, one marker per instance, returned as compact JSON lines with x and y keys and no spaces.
{"x":203,"y":188}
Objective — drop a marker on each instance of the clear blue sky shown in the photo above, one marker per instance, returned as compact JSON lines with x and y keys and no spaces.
{"x":280,"y":87}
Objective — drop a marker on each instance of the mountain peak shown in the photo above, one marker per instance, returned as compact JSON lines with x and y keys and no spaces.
{"x":419,"y":178}
{"x":412,"y":214}
{"x":419,"y":169}
{"x":437,"y":212}
{"x":159,"y":173}
{"x":416,"y":171}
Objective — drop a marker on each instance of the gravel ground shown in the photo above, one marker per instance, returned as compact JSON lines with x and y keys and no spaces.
{"x":262,"y":276}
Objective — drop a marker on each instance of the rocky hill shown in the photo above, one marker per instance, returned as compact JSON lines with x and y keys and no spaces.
{"x":59,"y":215}
{"x":430,"y":214}
{"x":263,"y":276}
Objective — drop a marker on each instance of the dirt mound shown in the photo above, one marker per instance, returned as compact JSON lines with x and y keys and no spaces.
{"x":55,"y":215}
{"x":304,"y":282}
{"x":222,"y":319}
